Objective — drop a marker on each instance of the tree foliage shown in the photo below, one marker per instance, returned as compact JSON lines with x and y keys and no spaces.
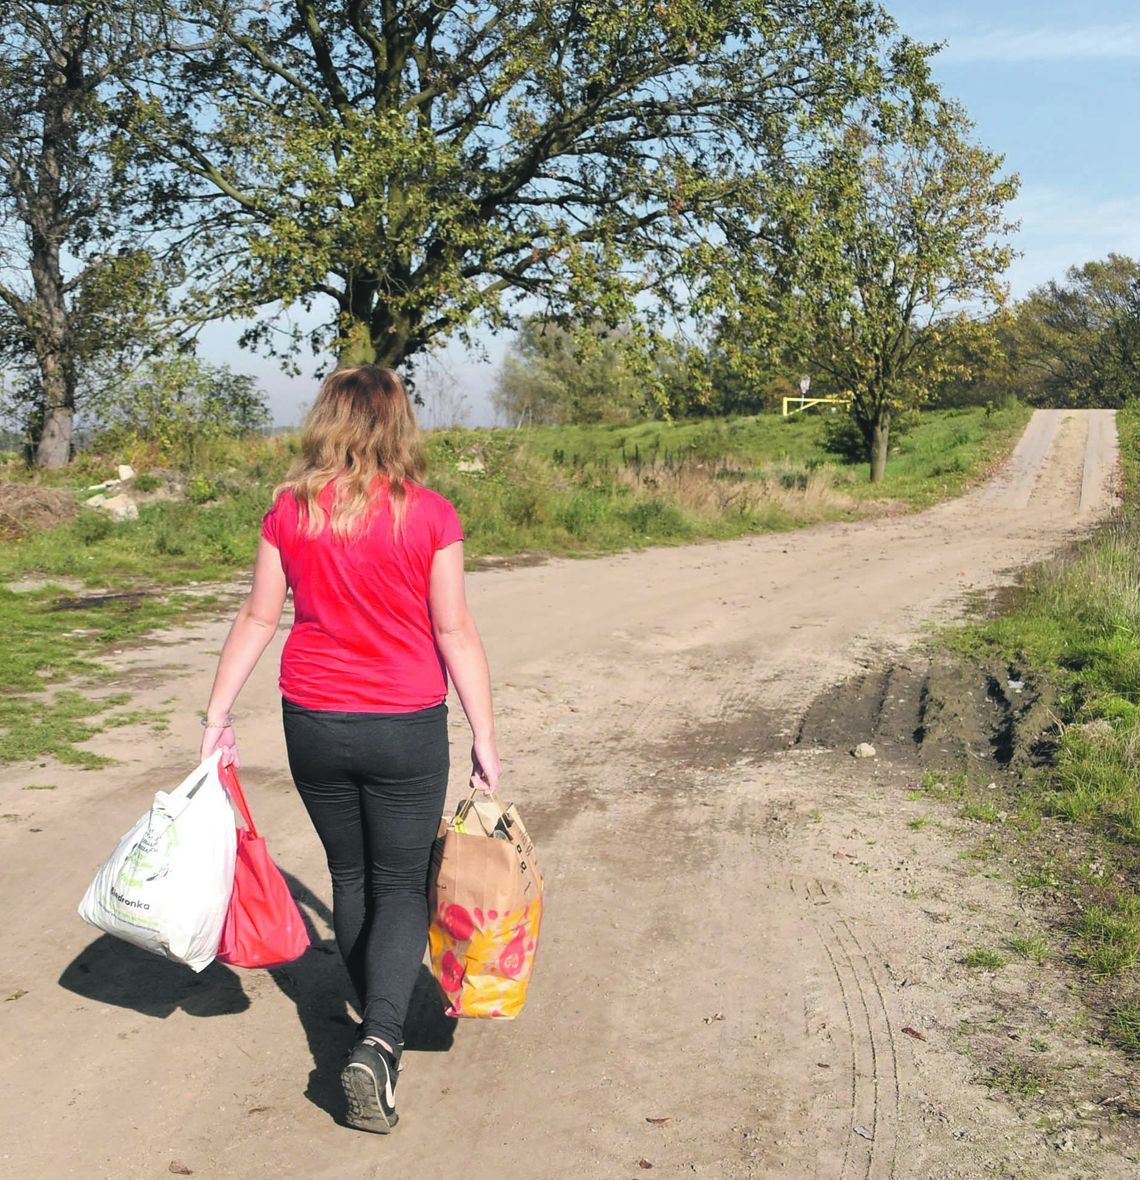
{"x":425,"y":168}
{"x":899,"y":242}
{"x":1077,"y":342}
{"x":175,"y":403}
{"x":547,"y":378}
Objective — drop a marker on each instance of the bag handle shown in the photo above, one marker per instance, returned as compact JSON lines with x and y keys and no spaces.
{"x":229,"y":778}
{"x":464,"y":807}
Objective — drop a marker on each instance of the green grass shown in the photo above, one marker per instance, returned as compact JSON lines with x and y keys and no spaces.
{"x":1032,"y":947}
{"x":1018,"y":1079}
{"x":559,"y":490}
{"x":55,"y":728}
{"x":1124,"y":1027}
{"x":936,"y":458}
{"x":577,"y":489}
{"x":984,"y":958}
{"x":1076,"y":623}
{"x":946,"y":453}
{"x":1109,"y":937}
{"x":984,"y":810}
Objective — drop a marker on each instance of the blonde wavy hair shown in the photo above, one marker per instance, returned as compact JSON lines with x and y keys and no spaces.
{"x":362,"y":426}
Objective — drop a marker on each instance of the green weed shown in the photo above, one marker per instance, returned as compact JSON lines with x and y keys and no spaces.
{"x":1032,"y":947}
{"x":984,"y":958}
{"x":1019,"y":1079}
{"x":982,"y":810}
{"x":1033,"y":879}
{"x":1109,"y":937}
{"x":1124,"y":1028}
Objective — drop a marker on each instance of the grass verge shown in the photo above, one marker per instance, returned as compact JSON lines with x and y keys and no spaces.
{"x":1076,"y":817}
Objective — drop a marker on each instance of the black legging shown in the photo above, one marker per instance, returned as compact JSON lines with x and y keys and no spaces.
{"x":374,"y":786}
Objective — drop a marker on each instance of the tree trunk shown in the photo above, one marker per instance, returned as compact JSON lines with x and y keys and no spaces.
{"x":880,"y":434}
{"x":54,"y":446}
{"x":357,"y":348}
{"x":374,"y":339}
{"x":48,"y":222}
{"x":57,"y":371}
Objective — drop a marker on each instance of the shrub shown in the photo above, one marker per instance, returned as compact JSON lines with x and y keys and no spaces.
{"x":175,"y":406}
{"x":91,"y":526}
{"x":581,"y":513}
{"x":842,"y":437}
{"x":168,"y":543}
{"x":656,"y":518}
{"x":200,"y":489}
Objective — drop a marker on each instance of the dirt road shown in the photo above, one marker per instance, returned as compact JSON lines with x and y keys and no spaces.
{"x":736,"y":933}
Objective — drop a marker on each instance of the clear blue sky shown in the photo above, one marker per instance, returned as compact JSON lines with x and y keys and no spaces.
{"x":1055,"y":86}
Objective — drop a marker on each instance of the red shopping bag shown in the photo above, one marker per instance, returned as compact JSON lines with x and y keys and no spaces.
{"x":263,"y":926}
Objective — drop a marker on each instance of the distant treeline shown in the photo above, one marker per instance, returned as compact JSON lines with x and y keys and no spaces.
{"x":1072,"y":342}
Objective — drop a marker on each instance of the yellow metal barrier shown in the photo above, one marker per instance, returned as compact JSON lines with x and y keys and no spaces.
{"x":805,"y":403}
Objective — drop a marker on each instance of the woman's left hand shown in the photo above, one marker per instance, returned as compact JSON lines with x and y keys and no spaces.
{"x":224,"y":740}
{"x":485,"y":768}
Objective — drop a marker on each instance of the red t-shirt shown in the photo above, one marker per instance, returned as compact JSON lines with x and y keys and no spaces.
{"x":362,"y":637}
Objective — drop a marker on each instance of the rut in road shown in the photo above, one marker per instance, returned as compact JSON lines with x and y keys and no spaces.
{"x":646,"y":705}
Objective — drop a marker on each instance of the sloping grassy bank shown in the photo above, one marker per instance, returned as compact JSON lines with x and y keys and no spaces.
{"x":580,"y":490}
{"x":556,"y":490}
{"x":1076,"y":817}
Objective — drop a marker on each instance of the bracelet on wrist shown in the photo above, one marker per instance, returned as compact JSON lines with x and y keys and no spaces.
{"x":226,"y":723}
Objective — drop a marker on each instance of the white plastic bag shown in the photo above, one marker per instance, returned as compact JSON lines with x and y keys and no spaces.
{"x":167,"y":885}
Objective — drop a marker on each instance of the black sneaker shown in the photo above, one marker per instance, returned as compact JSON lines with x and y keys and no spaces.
{"x":369,"y":1081}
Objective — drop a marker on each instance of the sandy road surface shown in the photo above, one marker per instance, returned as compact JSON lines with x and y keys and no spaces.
{"x":707,"y":957}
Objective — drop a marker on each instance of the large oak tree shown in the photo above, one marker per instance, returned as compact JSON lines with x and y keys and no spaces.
{"x":422,"y":168}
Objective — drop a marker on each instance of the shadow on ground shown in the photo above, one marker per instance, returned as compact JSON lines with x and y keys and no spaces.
{"x":319,"y":986}
{"x":110,"y":971}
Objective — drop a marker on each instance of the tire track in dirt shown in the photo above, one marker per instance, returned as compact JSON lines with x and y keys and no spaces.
{"x":1101,"y":456}
{"x":1014,"y":487}
{"x":871,"y":1117}
{"x":849,"y":1003}
{"x":813,"y":890}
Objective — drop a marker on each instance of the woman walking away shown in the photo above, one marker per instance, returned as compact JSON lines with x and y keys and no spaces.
{"x":375,"y":564}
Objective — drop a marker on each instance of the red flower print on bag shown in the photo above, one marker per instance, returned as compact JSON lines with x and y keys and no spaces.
{"x":451,"y":973}
{"x":457,"y":922}
{"x":513,"y":958}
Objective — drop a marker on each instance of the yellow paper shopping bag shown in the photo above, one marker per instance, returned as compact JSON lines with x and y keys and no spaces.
{"x":486,"y":907}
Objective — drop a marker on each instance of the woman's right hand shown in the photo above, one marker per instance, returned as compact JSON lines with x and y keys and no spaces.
{"x":216,"y":738}
{"x":485,"y":767}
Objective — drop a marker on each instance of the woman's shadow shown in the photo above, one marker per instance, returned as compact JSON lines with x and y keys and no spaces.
{"x":111,"y":971}
{"x":319,"y":986}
